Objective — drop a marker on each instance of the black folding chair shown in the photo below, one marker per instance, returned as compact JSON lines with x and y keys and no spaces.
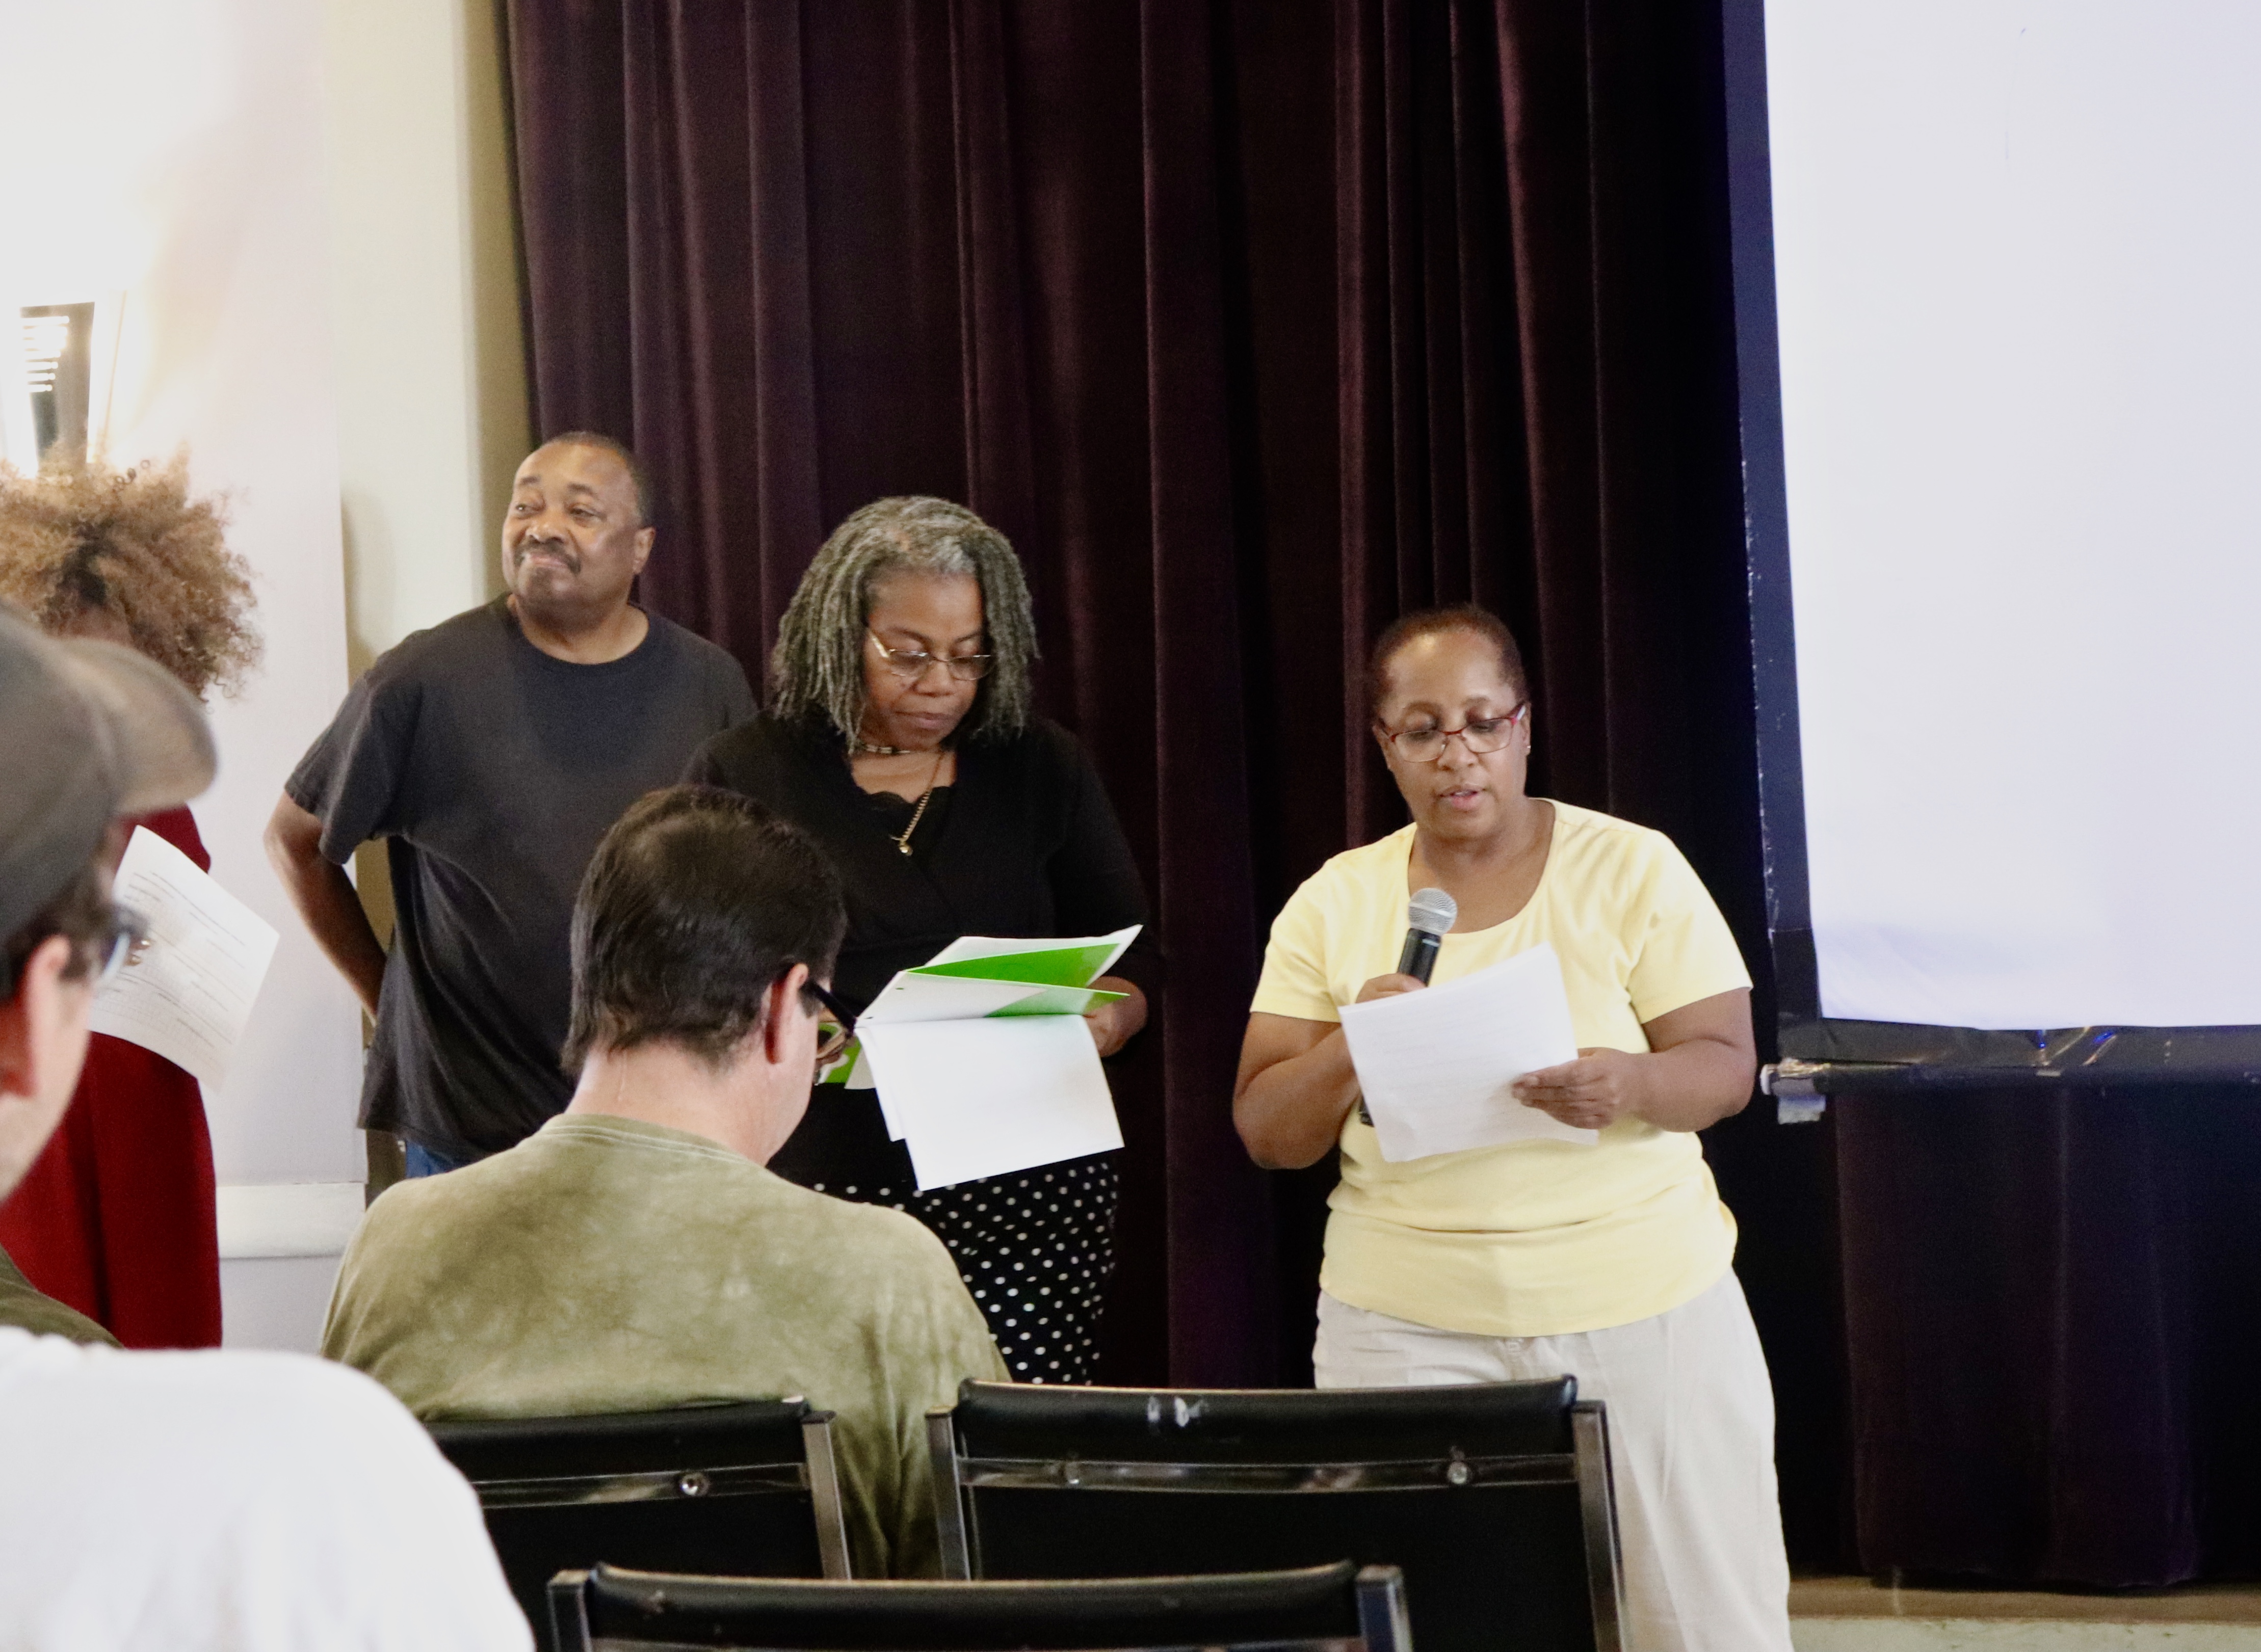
{"x":737,"y":1490}
{"x":1335,"y":1608}
{"x":1494,"y":1497}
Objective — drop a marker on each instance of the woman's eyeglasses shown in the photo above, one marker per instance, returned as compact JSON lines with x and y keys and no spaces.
{"x":1482,"y":735}
{"x":835,"y":1027}
{"x":911,"y":664}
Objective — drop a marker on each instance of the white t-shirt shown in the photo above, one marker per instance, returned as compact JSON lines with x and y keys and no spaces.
{"x":255,"y":1502}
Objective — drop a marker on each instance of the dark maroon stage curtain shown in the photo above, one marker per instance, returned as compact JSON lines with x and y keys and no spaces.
{"x":2053,"y":1333}
{"x":1252,"y":323}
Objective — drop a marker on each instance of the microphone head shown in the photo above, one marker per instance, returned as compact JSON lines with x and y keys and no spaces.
{"x":1432,"y":911}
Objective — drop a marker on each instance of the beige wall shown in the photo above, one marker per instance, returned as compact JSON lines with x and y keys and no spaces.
{"x":433,"y":408}
{"x":433,"y":414}
{"x":301,"y":217}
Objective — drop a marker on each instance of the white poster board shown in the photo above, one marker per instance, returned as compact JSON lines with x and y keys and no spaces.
{"x":2017,"y":257}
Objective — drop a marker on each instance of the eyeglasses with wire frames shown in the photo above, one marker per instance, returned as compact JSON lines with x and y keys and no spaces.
{"x":835,"y":1027}
{"x":1480,"y":735}
{"x":911,"y":664}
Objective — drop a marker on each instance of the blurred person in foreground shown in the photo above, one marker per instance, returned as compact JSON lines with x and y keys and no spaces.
{"x":899,"y":734}
{"x":633,"y":1253}
{"x":490,"y":754}
{"x":181,"y":1501}
{"x":1611,"y":1261}
{"x":117,"y":1218}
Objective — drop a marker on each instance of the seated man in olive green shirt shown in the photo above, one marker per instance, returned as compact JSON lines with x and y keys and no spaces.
{"x":633,"y":1253}
{"x":23,"y":1305}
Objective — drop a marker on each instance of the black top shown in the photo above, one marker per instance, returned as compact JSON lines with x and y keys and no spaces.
{"x":492,"y":769}
{"x":1024,"y":844}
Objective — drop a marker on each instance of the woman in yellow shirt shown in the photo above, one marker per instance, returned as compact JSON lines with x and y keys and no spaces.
{"x":1609,"y":1260}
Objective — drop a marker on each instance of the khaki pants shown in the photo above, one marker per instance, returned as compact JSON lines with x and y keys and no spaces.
{"x":1691,"y":1441}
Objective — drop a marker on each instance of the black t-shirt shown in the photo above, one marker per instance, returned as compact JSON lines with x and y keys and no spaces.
{"x":1024,"y":844}
{"x":492,"y":769}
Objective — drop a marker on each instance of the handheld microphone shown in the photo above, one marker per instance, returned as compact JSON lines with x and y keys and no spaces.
{"x":1429,"y":915}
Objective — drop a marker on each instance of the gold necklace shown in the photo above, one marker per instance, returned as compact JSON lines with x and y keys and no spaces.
{"x":925,"y":798}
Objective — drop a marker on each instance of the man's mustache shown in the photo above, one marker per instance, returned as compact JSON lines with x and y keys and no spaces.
{"x":557,"y":548}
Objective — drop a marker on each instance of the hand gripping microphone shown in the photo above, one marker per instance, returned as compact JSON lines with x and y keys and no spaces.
{"x":1429,"y":915}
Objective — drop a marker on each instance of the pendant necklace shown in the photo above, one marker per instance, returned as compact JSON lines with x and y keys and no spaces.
{"x":925,"y":798}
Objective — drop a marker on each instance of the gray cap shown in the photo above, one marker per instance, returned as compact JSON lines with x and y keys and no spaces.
{"x":88,"y":732}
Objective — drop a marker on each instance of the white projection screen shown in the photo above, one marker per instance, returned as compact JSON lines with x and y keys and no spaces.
{"x":2008,"y":316}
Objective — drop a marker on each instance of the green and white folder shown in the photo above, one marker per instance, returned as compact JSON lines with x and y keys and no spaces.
{"x":981,"y":1059}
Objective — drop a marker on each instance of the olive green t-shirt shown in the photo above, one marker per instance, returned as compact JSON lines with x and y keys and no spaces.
{"x":22,"y":1305}
{"x":605,"y":1264}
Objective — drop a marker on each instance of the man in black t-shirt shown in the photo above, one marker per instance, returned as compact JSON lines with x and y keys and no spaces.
{"x":491,"y":753}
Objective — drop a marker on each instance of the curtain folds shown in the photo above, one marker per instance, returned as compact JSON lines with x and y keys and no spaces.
{"x":1251,"y":323}
{"x":2053,"y":1336}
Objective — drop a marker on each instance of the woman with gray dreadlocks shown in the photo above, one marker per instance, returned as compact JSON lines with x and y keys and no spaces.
{"x":899,"y":733}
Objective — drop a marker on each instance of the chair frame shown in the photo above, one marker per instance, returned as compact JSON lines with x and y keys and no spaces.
{"x":1587,"y":1466}
{"x":818,"y":1475}
{"x":1378,"y":1593}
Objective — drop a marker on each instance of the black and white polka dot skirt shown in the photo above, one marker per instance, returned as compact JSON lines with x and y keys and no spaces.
{"x":1036,"y":1250}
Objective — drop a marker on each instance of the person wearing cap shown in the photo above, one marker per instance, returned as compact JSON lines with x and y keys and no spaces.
{"x":490,"y":754}
{"x":256,"y":1502}
{"x":117,"y":1218}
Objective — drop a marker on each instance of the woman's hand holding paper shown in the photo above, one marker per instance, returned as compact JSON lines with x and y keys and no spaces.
{"x":1696,"y":1072}
{"x":1590,"y":1093}
{"x":1114,"y":1023}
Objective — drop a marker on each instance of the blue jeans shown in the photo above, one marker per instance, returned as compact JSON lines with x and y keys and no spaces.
{"x":423,"y":1161}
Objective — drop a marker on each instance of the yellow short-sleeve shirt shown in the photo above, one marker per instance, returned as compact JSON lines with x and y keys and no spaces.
{"x":1529,"y":1238}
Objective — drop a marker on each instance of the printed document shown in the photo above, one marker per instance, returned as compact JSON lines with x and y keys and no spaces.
{"x":981,"y":1059}
{"x":188,"y":993}
{"x":1436,"y":1066}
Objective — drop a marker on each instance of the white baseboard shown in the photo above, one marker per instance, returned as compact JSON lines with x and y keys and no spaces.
{"x":287,"y":1218}
{"x":1972,"y":1634}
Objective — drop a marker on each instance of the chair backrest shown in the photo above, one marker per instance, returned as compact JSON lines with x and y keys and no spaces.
{"x":740,"y":1490}
{"x":1494,"y":1497}
{"x":1338,"y":1608}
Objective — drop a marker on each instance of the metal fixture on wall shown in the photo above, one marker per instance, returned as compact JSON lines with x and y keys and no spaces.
{"x":57,"y":364}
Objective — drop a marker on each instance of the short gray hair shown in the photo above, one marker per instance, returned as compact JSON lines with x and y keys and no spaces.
{"x":817,"y":667}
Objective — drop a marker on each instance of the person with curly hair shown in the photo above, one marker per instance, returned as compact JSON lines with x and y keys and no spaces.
{"x":116,"y":1219}
{"x":130,"y":556}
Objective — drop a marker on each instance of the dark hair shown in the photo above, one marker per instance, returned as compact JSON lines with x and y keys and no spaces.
{"x":80,"y":911}
{"x":622,"y":451}
{"x":1432,"y":622}
{"x":696,"y":902}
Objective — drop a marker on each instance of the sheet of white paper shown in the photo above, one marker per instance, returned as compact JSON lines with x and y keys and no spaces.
{"x":190,"y":993}
{"x":987,"y":1097}
{"x":940,"y":997}
{"x":967,"y":946}
{"x":1435,"y":1065}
